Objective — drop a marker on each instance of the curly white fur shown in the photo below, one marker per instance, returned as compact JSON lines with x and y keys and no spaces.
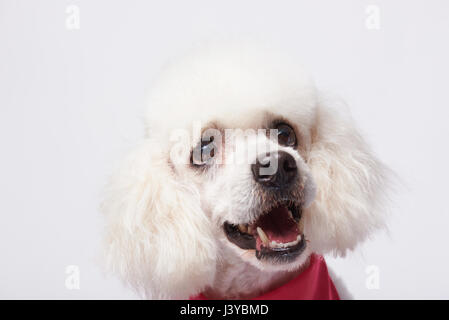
{"x":164,"y":231}
{"x":352,"y":184}
{"x":157,"y":234}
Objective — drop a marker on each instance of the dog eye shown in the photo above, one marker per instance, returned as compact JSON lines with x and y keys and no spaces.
{"x":286,"y":135}
{"x":203,"y":153}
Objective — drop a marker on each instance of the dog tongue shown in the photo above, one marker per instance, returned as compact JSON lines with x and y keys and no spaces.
{"x":278,"y":225}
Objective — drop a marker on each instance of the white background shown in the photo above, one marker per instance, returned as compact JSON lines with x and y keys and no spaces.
{"x":72,"y":103}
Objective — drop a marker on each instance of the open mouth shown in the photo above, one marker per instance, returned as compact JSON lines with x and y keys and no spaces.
{"x":277,"y":235}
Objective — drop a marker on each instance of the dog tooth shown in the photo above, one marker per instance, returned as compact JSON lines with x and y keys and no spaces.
{"x":301,"y":225}
{"x":263,"y":236}
{"x":242,"y":228}
{"x":250,"y":230}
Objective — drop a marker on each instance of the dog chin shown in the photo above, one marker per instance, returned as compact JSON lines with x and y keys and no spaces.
{"x":248,"y":256}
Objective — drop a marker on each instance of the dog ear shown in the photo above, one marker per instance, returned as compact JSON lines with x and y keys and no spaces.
{"x":351,"y":183}
{"x":157,"y":238}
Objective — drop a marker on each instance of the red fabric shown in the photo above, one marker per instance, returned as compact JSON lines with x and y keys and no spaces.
{"x":314,"y":283}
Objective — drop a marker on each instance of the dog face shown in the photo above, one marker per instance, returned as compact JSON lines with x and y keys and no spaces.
{"x":254,"y":184}
{"x":244,"y":159}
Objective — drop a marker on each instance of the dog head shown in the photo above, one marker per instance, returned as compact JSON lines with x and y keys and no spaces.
{"x":244,"y":157}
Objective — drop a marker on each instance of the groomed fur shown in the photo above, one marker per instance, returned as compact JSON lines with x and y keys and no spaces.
{"x":351,"y":181}
{"x":157,"y":237}
{"x":164,"y":221}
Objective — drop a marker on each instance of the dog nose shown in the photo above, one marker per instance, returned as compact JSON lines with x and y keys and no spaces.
{"x":266,"y":173}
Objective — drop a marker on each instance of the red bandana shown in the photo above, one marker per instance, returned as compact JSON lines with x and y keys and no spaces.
{"x":314,"y":283}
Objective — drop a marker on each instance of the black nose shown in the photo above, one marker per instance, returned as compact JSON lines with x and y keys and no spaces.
{"x":267,"y":173}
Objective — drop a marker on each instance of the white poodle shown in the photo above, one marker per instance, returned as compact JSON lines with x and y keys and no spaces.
{"x":247,"y":174}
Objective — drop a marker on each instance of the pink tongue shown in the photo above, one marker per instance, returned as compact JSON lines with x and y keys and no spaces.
{"x":278,"y":226}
